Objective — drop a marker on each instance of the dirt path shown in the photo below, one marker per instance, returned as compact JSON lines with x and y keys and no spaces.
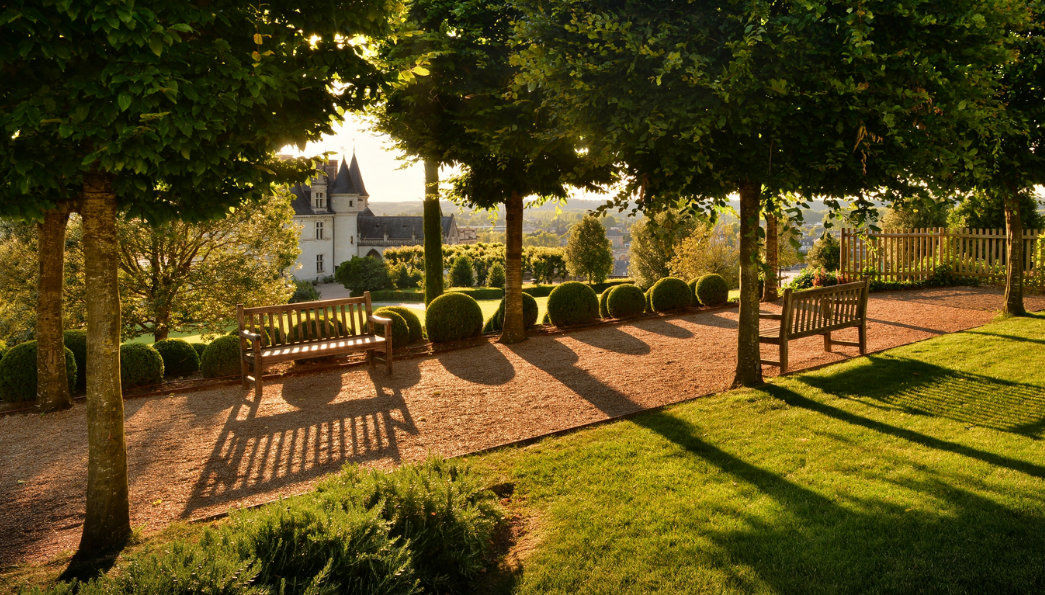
{"x":196,"y":454}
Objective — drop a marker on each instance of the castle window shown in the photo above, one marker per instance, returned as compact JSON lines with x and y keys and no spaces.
{"x":319,"y":201}
{"x":319,"y":263}
{"x":319,"y":230}
{"x":350,"y":204}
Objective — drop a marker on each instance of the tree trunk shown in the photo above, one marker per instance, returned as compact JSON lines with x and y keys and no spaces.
{"x":107,"y":523}
{"x":749,"y":362}
{"x":433,"y":224}
{"x":514,"y":329}
{"x":52,"y":387}
{"x":1014,"y":267}
{"x":769,"y":290}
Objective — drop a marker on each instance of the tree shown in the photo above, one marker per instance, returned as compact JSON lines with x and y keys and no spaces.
{"x":825,"y":253}
{"x":178,"y":272}
{"x":916,"y":214}
{"x":588,"y":252}
{"x":709,"y":248}
{"x":462,"y":273}
{"x":653,"y":241}
{"x":363,"y":273}
{"x":161,"y":110}
{"x":979,"y":210}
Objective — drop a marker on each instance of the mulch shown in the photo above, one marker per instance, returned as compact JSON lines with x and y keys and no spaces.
{"x":200,"y":453}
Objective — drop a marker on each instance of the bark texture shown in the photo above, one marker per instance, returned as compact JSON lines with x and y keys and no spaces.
{"x":749,"y":362}
{"x":514,"y":329}
{"x":433,"y":224}
{"x":769,"y":290}
{"x":1014,"y":266}
{"x":52,"y":387}
{"x":106,"y":526}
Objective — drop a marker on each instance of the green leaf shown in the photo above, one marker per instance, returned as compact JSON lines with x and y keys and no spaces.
{"x":124,"y":101}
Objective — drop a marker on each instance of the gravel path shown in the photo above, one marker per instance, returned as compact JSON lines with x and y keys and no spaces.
{"x":200,"y":453}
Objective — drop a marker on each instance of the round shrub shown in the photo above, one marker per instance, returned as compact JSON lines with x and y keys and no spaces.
{"x":18,"y":372}
{"x":453,"y":316}
{"x":400,"y":329}
{"x":572,"y":303}
{"x":76,"y":341}
{"x":496,"y":322}
{"x":546,"y":319}
{"x":199,"y":348}
{"x":140,"y":365}
{"x":268,"y":333}
{"x":625,"y":301}
{"x":179,"y":358}
{"x":603,"y":297}
{"x":712,"y":290}
{"x":3,"y":348}
{"x":670,"y":293}
{"x":649,"y":295}
{"x":311,"y":330}
{"x":417,"y":332}
{"x":221,"y":358}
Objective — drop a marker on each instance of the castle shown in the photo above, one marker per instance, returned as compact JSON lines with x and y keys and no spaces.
{"x":336,"y":222}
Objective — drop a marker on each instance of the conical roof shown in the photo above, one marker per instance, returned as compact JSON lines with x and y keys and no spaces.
{"x":349,"y":180}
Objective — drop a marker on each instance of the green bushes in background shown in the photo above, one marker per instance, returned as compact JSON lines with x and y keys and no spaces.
{"x":413,"y":322}
{"x":496,"y":322}
{"x":18,"y":372}
{"x":400,"y":328}
{"x":76,"y":341}
{"x":179,"y":357}
{"x":140,"y":365}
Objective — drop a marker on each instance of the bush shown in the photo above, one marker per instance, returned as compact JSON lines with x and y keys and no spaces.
{"x":310,"y":330}
{"x":360,"y":274}
{"x":462,"y":272}
{"x":804,"y":279}
{"x":3,"y":348}
{"x":76,"y":341}
{"x":453,"y":316}
{"x":140,"y":365}
{"x":18,"y":372}
{"x":625,"y":301}
{"x":404,"y":277}
{"x":497,"y":276}
{"x":826,"y":253}
{"x":400,"y":329}
{"x":496,"y":322}
{"x":179,"y":358}
{"x":572,"y":303}
{"x":825,"y":278}
{"x":417,"y":332}
{"x":200,"y":348}
{"x":669,"y":293}
{"x":304,"y":291}
{"x":221,"y":358}
{"x":712,"y":290}
{"x":649,"y":299}
{"x":604,"y":311}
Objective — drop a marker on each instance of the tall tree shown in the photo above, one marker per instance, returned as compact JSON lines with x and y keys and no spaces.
{"x":52,"y":387}
{"x":162,"y":110}
{"x":588,"y":251}
{"x":653,"y":241}
{"x":698,"y":101}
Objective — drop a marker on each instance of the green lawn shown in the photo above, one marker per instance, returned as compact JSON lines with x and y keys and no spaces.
{"x":918,"y":469}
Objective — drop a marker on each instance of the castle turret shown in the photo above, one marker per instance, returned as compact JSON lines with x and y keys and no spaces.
{"x":348,"y":197}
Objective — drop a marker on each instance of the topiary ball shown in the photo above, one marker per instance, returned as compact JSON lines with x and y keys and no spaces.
{"x":400,"y":329}
{"x":179,"y":358}
{"x":18,"y":372}
{"x":572,"y":303}
{"x":625,"y":301}
{"x":496,"y":322}
{"x":649,"y":295}
{"x":200,"y":348}
{"x":268,"y":333}
{"x":668,"y":294}
{"x":76,"y":341}
{"x":453,"y":316}
{"x":546,"y":319}
{"x":712,"y":290}
{"x":417,"y":332}
{"x":3,"y":348}
{"x":312,"y":330}
{"x":140,"y":365}
{"x":221,"y":358}
{"x":604,"y":311}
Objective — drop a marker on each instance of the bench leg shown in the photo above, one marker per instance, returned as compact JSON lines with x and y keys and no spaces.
{"x":863,"y":338}
{"x":259,"y":371}
{"x":827,"y":341}
{"x":783,"y":357}
{"x":243,"y":371}
{"x":388,"y":358}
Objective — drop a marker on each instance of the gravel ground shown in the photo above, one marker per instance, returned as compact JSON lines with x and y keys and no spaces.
{"x":200,"y":453}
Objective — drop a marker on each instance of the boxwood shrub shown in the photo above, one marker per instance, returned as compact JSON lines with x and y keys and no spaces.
{"x":76,"y":341}
{"x":572,"y":303}
{"x":312,"y":330}
{"x":417,"y":331}
{"x":3,"y":348}
{"x":625,"y":301}
{"x":18,"y":372}
{"x":221,"y":357}
{"x":400,"y":329}
{"x":496,"y":322}
{"x":604,"y":311}
{"x":453,"y":316}
{"x":140,"y":365}
{"x":668,"y":294}
{"x":649,"y":295}
{"x":712,"y":290}
{"x":200,"y":348}
{"x":179,"y":358}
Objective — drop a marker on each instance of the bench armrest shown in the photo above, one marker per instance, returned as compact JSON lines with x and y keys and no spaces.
{"x":249,"y":335}
{"x":385,"y":322}
{"x":771,"y":316}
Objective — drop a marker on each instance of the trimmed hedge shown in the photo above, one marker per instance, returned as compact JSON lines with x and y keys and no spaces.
{"x":649,"y":296}
{"x":221,"y":358}
{"x":625,"y":301}
{"x":573,"y":303}
{"x":179,"y":357}
{"x":603,"y":297}
{"x":669,"y":294}
{"x":200,"y":348}
{"x":140,"y":365}
{"x":76,"y":341}
{"x":18,"y":372}
{"x":496,"y":322}
{"x":453,"y":316}
{"x":712,"y":290}
{"x":400,"y":329}
{"x":417,"y":331}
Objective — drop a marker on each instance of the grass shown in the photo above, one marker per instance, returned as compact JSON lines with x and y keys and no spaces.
{"x":918,"y":469}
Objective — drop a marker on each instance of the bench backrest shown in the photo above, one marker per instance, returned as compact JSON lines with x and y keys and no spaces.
{"x":814,"y":311}
{"x":305,"y":322}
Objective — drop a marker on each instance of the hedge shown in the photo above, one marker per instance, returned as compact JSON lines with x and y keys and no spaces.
{"x":603,"y":297}
{"x":200,"y":348}
{"x":453,"y":316}
{"x":179,"y":357}
{"x":712,"y":290}
{"x":221,"y":358}
{"x":668,"y":294}
{"x":417,"y":332}
{"x":572,"y":303}
{"x":76,"y":341}
{"x":496,"y":322}
{"x":140,"y":365}
{"x":18,"y":372}
{"x":625,"y":301}
{"x":400,"y":329}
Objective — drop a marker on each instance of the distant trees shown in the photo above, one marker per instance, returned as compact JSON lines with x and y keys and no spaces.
{"x":363,"y":273}
{"x":709,"y":248}
{"x":981,"y":210}
{"x":653,"y":241}
{"x":825,"y":253}
{"x":462,"y":273}
{"x":588,"y":251}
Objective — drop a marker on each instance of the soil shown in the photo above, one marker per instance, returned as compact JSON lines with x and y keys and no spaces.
{"x":200,"y":453}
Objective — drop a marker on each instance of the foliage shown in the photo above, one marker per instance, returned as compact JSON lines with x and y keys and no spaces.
{"x":405,"y":277}
{"x":400,"y":328}
{"x":588,"y":252}
{"x":199,"y":348}
{"x":179,"y":357}
{"x":670,"y":293}
{"x":804,"y":278}
{"x":496,"y":278}
{"x":363,"y":273}
{"x":603,"y":298}
{"x":653,"y":242}
{"x":304,"y":291}
{"x":76,"y":341}
{"x":708,"y":249}
{"x":711,"y":290}
{"x":496,"y":321}
{"x":461,"y":272}
{"x":625,"y":301}
{"x":413,"y":323}
{"x":546,"y":265}
{"x":3,"y":348}
{"x":978,"y":210}
{"x":572,"y":303}
{"x":916,"y":214}
{"x":18,"y":372}
{"x":221,"y":357}
{"x":453,"y":316}
{"x":315,"y":329}
{"x":140,"y":365}
{"x":825,"y":253}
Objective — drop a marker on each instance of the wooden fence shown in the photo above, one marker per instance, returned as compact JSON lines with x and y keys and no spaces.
{"x":914,"y":254}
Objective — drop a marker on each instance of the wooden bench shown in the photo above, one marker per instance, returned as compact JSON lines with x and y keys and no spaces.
{"x":819,"y":311}
{"x":306,"y":330}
